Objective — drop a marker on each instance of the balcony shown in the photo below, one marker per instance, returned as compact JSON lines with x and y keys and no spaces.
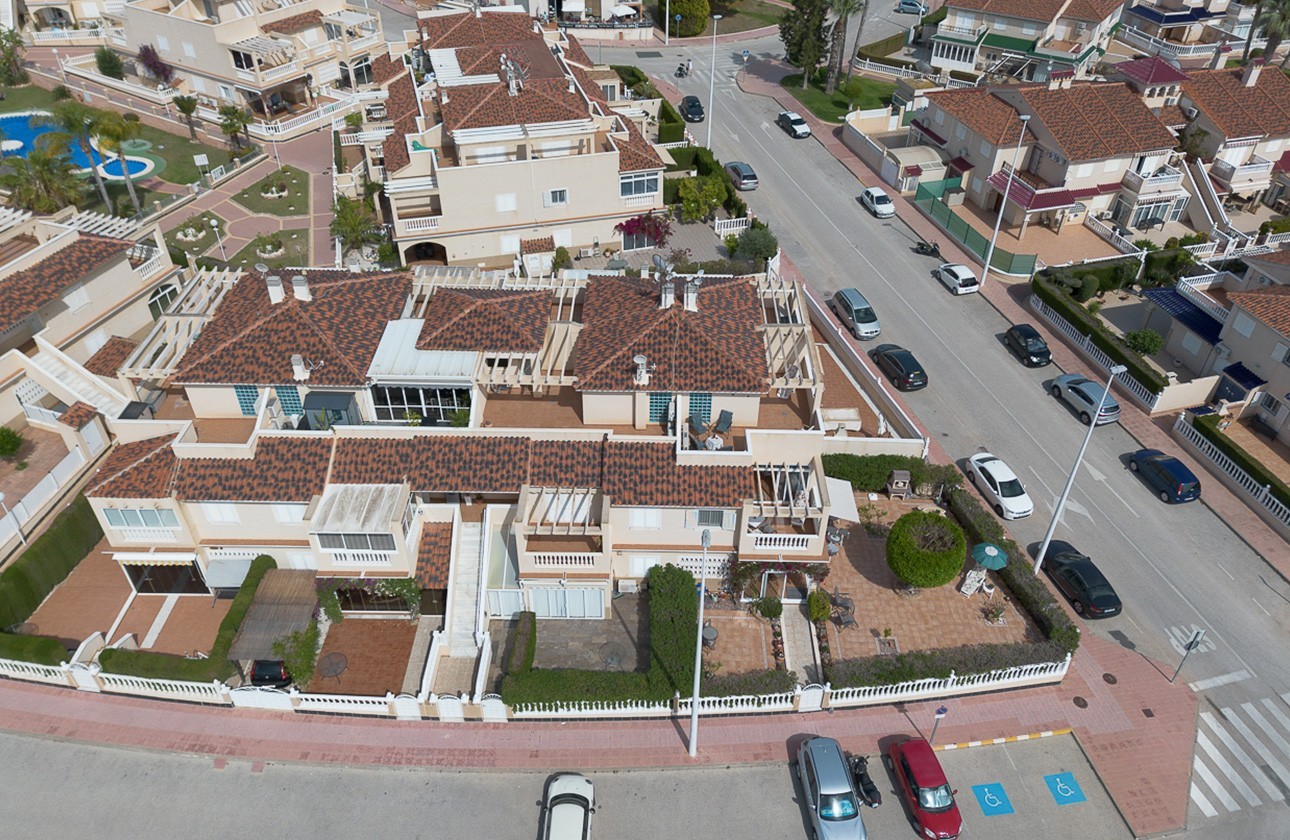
{"x":960,"y":33}
{"x":417,"y":225}
{"x":1165,"y":179}
{"x":1204,"y":292}
{"x":266,"y":76}
{"x":1255,"y":175}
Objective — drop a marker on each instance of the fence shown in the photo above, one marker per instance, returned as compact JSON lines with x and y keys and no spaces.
{"x":29,"y":506}
{"x":930,"y":202}
{"x":1258,"y":495}
{"x":725,"y":227}
{"x":1108,"y":235}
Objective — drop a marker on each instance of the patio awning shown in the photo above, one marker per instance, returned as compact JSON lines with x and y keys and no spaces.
{"x":573,"y":6}
{"x":269,"y":49}
{"x":154,"y":558}
{"x":359,"y":508}
{"x":623,"y":11}
{"x":228,"y":572}
{"x":345,"y":17}
{"x":842,"y":500}
{"x":283,"y":604}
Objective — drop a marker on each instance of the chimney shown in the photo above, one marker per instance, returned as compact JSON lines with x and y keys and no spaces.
{"x":1067,"y":81}
{"x":1250,"y":77}
{"x":1054,"y":83}
{"x":691,"y":297}
{"x":1220,"y":57}
{"x":300,"y":288}
{"x":641,"y":377}
{"x":298,"y":369}
{"x":274,"y":283}
{"x":668,"y":296}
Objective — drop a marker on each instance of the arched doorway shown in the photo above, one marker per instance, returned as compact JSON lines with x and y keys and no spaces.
{"x":425,"y":252}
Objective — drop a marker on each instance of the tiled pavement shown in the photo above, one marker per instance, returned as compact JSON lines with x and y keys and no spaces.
{"x":743,"y":643}
{"x":376,"y":651}
{"x":88,"y":601}
{"x":41,"y":450}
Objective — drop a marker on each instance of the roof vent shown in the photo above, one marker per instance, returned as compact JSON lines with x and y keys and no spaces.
{"x":1250,"y":77}
{"x":276,"y":294}
{"x":643,"y":367}
{"x":692,"y":292}
{"x":300,"y":288}
{"x":298,"y":369}
{"x":668,"y":296}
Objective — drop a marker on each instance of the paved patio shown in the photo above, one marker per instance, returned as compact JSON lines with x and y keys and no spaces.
{"x":377,"y":651}
{"x":618,"y":643}
{"x":1272,"y":454}
{"x":41,"y":450}
{"x":87,"y":602}
{"x":743,"y":642}
{"x":1075,"y":242}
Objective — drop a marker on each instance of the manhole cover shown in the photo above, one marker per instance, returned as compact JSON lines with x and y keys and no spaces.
{"x":1109,"y":679}
{"x":613,"y":654}
{"x":649,"y":54}
{"x":1148,"y":713}
{"x":1080,"y":703}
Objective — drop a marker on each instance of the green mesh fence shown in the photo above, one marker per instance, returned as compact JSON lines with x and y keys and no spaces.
{"x":929,"y":199}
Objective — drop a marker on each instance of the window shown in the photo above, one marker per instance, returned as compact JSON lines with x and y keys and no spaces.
{"x":220,"y":512}
{"x":610,"y":92}
{"x":226,"y":92}
{"x":362,"y":72}
{"x":639,"y":183}
{"x":246,"y":397}
{"x":490,"y":154}
{"x":94,"y":341}
{"x":1083,"y":170}
{"x":160,"y":299}
{"x":76,"y":297}
{"x":505,"y":202}
{"x":189,"y":51}
{"x":434,"y":406}
{"x":1243,"y":324}
{"x":289,"y":399}
{"x":701,"y":407}
{"x":199,"y":84}
{"x":1000,"y":23}
{"x":959,"y":131}
{"x":1270,"y":404}
{"x":242,"y":60}
{"x":658,"y":403}
{"x":1029,"y":28}
{"x":555,"y":198}
{"x":357,"y":542}
{"x":644,"y":519}
{"x":288,"y":514}
{"x":637,"y":241}
{"x":710,"y":518}
{"x":985,"y":148}
{"x":163,"y":43}
{"x":1191,"y":343}
{"x":140,"y":518}
{"x":1282,"y":354}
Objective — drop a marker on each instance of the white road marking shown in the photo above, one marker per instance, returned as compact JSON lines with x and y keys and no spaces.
{"x":1242,"y":756}
{"x":1260,"y":606}
{"x":1179,"y":636}
{"x":1276,"y":713}
{"x":1224,"y":679}
{"x":1201,"y":770}
{"x":1098,"y":476}
{"x":1201,"y":802}
{"x":1228,"y":770}
{"x":1225,"y":571}
{"x":1268,"y":729}
{"x":1264,"y":753}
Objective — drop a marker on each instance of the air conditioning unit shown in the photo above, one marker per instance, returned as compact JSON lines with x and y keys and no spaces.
{"x":628,"y":586}
{"x":1189,"y":112}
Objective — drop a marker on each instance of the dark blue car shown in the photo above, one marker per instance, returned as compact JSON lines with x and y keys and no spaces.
{"x":1168,"y":476}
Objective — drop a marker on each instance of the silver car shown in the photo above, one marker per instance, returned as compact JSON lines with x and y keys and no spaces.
{"x":830,"y":795}
{"x":1084,"y":395}
{"x":567,"y":806}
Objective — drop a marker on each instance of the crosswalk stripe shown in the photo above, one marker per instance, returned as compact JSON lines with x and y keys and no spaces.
{"x":1264,"y":752}
{"x":1201,"y":802}
{"x":1223,"y":764}
{"x":1277,"y":713}
{"x":1268,"y":729}
{"x":1286,"y":698}
{"x":1201,"y":770}
{"x":1242,"y":756}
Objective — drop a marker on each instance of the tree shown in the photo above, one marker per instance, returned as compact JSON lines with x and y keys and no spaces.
{"x":1274,"y":20}
{"x":234,"y":123}
{"x":187,"y":106}
{"x":843,"y":11}
{"x":1249,"y":39}
{"x":45,"y":181}
{"x":155,"y":65}
{"x":109,"y":63}
{"x":757,"y":243}
{"x":113,"y":131}
{"x":926,"y":549}
{"x":76,"y":122}
{"x":12,"y":51}
{"x":694,"y":17}
{"x":803,"y":32}
{"x":700,"y":197}
{"x":353,"y":224}
{"x":1146,"y":342}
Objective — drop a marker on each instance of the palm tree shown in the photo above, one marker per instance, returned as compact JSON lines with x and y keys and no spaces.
{"x":76,"y":121}
{"x":1274,"y":19}
{"x":234,"y":122}
{"x":1254,"y":25}
{"x":113,"y":131}
{"x":187,"y":106}
{"x":45,"y":181}
{"x":353,"y":224}
{"x":843,"y":11}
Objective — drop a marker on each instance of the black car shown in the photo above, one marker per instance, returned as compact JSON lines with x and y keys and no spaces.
{"x":1080,"y":580}
{"x":691,"y":109}
{"x":1025,"y":341}
{"x":900,"y":366}
{"x":1168,"y":476}
{"x":270,"y":672}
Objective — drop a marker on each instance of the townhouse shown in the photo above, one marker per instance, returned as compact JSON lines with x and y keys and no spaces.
{"x":1182,"y":28}
{"x":510,"y":148}
{"x":1024,"y":40}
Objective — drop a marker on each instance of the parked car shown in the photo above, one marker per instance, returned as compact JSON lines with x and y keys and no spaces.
{"x":1081,"y":581}
{"x":1085,"y":395}
{"x":1000,"y":486}
{"x":567,"y":806}
{"x":742,"y":175}
{"x":792,"y":122}
{"x":1029,"y":345}
{"x":830,"y":796}
{"x":1168,"y":476}
{"x":856,"y":313}
{"x":958,"y":278}
{"x":911,"y":7}
{"x":900,"y":366}
{"x":927,"y":793}
{"x":270,"y":672}
{"x":691,"y":109}
{"x":878,"y":202}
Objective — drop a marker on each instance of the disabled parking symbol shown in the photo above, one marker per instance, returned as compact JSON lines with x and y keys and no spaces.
{"x":993,"y":799}
{"x":1064,"y":788}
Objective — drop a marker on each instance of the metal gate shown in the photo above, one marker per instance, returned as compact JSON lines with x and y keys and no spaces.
{"x":567,"y":603}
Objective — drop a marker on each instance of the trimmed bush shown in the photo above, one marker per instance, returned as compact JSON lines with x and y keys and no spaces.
{"x":884,"y":47}
{"x":1147,"y":342}
{"x":1208,"y":426}
{"x":10,"y":442}
{"x":752,"y":683}
{"x":1278,"y":225}
{"x":671,"y":128}
{"x":109,"y":63}
{"x":769,"y":607}
{"x":939,"y":664}
{"x":47,"y":562}
{"x":560,"y":685}
{"x":926,"y":549}
{"x":869,"y":473}
{"x":818,"y":605}
{"x":523,"y":644}
{"x":41,"y":650}
{"x":684,"y":158}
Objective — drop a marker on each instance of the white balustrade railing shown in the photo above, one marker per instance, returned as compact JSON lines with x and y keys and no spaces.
{"x":569,"y":560}
{"x":342,"y":703}
{"x":1260,"y":494}
{"x":1190,"y":289}
{"x":195,"y":692}
{"x":156,"y":535}
{"x":782,"y":542}
{"x":32,"y":672}
{"x":592,"y":709}
{"x":725,"y":227}
{"x":754,"y":703}
{"x":361,"y":558}
{"x":420,"y":223}
{"x":482,"y":666}
{"x":1016,"y":677}
{"x":1257,"y":169}
{"x":62,"y":36}
{"x":1110,"y":236}
{"x":151,"y":267}
{"x":364,"y":42}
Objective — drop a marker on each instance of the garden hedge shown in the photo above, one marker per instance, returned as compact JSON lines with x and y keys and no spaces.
{"x":926,"y":549}
{"x":885,"y":46}
{"x":1207,"y":425}
{"x":869,"y":473}
{"x":523,"y":644}
{"x":216,"y":666}
{"x":47,"y":562}
{"x":939,"y":664}
{"x":671,"y":128}
{"x":41,"y":650}
{"x":752,"y":683}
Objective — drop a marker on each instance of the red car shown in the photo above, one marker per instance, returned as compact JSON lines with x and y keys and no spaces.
{"x":922,"y":783}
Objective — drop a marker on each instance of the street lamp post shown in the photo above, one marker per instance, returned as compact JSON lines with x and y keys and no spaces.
{"x":1003,"y":205}
{"x":667,"y":21}
{"x":698,"y":648}
{"x":1116,"y":370}
{"x":215,"y":227}
{"x":17,"y":526}
{"x":712,"y":82}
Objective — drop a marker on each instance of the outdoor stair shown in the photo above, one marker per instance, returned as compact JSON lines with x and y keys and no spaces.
{"x":465,"y":591}
{"x":799,"y":652}
{"x":82,"y":384}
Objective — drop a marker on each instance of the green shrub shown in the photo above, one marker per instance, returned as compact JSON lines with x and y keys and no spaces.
{"x":10,"y":442}
{"x":329,"y":602}
{"x":1147,"y":342}
{"x":1088,"y":286}
{"x":562,"y":685}
{"x":769,"y":607}
{"x":757,"y":243}
{"x":1145,"y":245}
{"x":561,"y":259}
{"x":671,"y":128}
{"x":109,"y":63}
{"x":935,"y":17}
{"x":61,"y":92}
{"x":47,"y":562}
{"x":523,"y":644}
{"x":630,"y":75}
{"x":337,"y":155}
{"x":869,"y":473}
{"x":1207,"y":425}
{"x":694,"y":17}
{"x":884,"y":47}
{"x":299,"y":652}
{"x":818,"y":605}
{"x":926,"y":549}
{"x":939,"y":664}
{"x":684,"y":161}
{"x":751,"y":683}
{"x":1281,"y":224}
{"x":41,"y":650}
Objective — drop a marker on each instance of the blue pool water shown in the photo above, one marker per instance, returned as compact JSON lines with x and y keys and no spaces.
{"x":25,"y":128}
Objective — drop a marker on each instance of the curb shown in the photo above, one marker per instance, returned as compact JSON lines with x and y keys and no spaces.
{"x":962,"y":745}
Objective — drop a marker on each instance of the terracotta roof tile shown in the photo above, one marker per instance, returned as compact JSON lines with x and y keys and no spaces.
{"x":589,"y":85}
{"x":980,"y":111}
{"x":574,"y":52}
{"x":401,"y":107}
{"x":295,"y":23}
{"x":435,"y":555}
{"x":250,"y":341}
{"x":78,"y":415}
{"x":1171,"y":116}
{"x":540,"y":245}
{"x":720,"y":348}
{"x":465,"y":30}
{"x":1042,"y":10}
{"x":646,"y":474}
{"x":1270,"y":304}
{"x":485,"y":320}
{"x":1096,"y":121}
{"x":109,"y":358}
{"x":144,"y":469}
{"x":23,"y":293}
{"x":394,"y":148}
{"x":635,"y":153}
{"x":1241,"y":111}
{"x":1279,"y":257}
{"x":435,"y":463}
{"x":284,"y":469}
{"x":490,"y":105}
{"x":385,"y":69}
{"x":1151,"y":70}
{"x":567,"y":463}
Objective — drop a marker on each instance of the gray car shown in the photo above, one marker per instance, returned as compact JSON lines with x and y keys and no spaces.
{"x":828,"y":791}
{"x":1084,"y":395}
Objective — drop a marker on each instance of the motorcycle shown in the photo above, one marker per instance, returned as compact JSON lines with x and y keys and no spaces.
{"x":928,"y":249}
{"x":868,"y":790}
{"x":680,"y":71}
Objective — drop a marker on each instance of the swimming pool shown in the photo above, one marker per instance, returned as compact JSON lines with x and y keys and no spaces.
{"x":21,"y":131}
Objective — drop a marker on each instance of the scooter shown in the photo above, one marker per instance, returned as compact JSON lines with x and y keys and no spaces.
{"x":680,"y":71}
{"x":928,"y":249}
{"x":868,"y":790}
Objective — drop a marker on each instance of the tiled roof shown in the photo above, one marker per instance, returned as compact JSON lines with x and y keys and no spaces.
{"x":566,"y":463}
{"x":284,"y":469}
{"x":492,"y":104}
{"x":485,"y":320}
{"x":646,"y":474}
{"x":1241,"y":111}
{"x":1096,"y":121}
{"x":394,"y":148}
{"x":385,"y":68}
{"x":574,"y":52}
{"x":435,"y":555}
{"x":1171,"y":116}
{"x":24,"y":292}
{"x":401,"y":107}
{"x":980,"y":111}
{"x":109,"y":358}
{"x":144,"y":469}
{"x":1270,"y":304}
{"x":250,"y":341}
{"x":435,"y":463}
{"x":720,"y":348}
{"x":295,"y":23}
{"x":635,"y":153}
{"x":533,"y":56}
{"x":540,"y":245}
{"x":78,"y":415}
{"x":589,"y":85}
{"x":1043,"y":10}
{"x":465,"y":29}
{"x":1151,"y":70}
{"x":1186,"y":313}
{"x":1278,"y":257}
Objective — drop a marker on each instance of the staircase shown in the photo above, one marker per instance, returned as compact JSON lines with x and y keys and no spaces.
{"x":6,"y":13}
{"x":71,"y":377}
{"x":464,"y":596}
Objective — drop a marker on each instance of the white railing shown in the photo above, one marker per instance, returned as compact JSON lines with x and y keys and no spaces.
{"x":1276,"y":238}
{"x":361,"y":558}
{"x":725,"y":227}
{"x":782,"y":542}
{"x":344,"y":704}
{"x":374,"y":135}
{"x":61,"y":36}
{"x":350,"y":140}
{"x":944,"y":28}
{"x":158,"y":535}
{"x":1143,"y":183}
{"x":1108,"y":235}
{"x":592,"y":709}
{"x":29,"y":506}
{"x":565,"y":559}
{"x":1258,"y":493}
{"x":1165,"y":49}
{"x":1203,"y":250}
{"x":887,"y":69}
{"x":679,"y":144}
{"x":1258,"y":169}
{"x":151,"y":267}
{"x":1017,"y":677}
{"x":1191,"y":289}
{"x":31,"y":672}
{"x":41,"y":414}
{"x":193,"y":692}
{"x":1094,"y":354}
{"x":420,"y":223}
{"x":482,"y":666}
{"x":364,"y":42}
{"x":756,"y":704}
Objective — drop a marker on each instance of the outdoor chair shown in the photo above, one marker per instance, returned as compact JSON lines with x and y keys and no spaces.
{"x":724,"y":421}
{"x":845,"y":620}
{"x":843,"y":601}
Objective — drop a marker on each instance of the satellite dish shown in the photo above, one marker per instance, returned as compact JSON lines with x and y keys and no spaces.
{"x":639,"y":359}
{"x":261,"y":267}
{"x":660,"y":263}
{"x":698,"y":277}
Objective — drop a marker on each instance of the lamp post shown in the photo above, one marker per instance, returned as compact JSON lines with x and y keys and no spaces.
{"x":667,"y":21}
{"x":215,"y":227}
{"x":17,"y":526}
{"x":698,"y":648}
{"x":1003,"y":205}
{"x":712,"y":82}
{"x":1116,"y":370}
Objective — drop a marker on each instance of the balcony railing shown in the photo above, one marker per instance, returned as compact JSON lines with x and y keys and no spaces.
{"x":156,"y":535}
{"x":264,"y":75}
{"x":1258,"y":169}
{"x":782,"y":542}
{"x":420,"y":224}
{"x":1192,"y":288}
{"x":1167,"y":178}
{"x":968,"y":32}
{"x":564,"y":560}
{"x":360,"y":558}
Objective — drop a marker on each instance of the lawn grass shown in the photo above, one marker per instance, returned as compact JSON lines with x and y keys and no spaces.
{"x":742,"y":15}
{"x":200,"y":246}
{"x":25,"y":99}
{"x":120,"y":196}
{"x":835,"y":107}
{"x":297,"y":252}
{"x":294,"y":203}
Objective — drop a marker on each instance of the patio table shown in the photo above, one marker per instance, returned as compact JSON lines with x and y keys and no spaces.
{"x":333,"y":665}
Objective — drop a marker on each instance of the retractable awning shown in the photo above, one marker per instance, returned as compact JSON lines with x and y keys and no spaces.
{"x":227,"y":573}
{"x":842,"y":501}
{"x":154,"y":558}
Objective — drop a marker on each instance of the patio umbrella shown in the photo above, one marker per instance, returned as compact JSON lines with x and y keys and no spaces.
{"x":989,"y":556}
{"x":623,"y":11}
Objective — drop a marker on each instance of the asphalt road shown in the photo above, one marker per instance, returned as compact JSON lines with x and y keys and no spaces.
{"x":1176,"y":568}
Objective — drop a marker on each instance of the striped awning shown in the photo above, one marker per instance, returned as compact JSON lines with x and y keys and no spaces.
{"x":154,"y":558}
